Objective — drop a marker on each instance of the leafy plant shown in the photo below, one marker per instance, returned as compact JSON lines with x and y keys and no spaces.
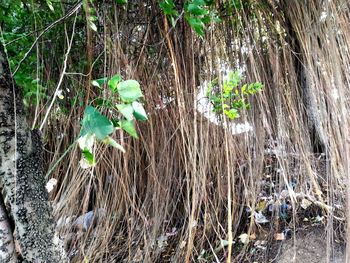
{"x":197,"y":13}
{"x":121,"y":2}
{"x":96,"y":126}
{"x":169,"y":9}
{"x":231,"y":97}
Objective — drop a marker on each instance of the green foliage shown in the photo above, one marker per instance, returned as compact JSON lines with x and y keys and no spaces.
{"x":169,"y":9}
{"x":50,"y":5}
{"x":139,"y":112}
{"x":198,"y":13}
{"x":95,"y":123}
{"x":99,"y":82}
{"x":126,"y":110}
{"x":235,"y":4}
{"x":121,"y":2}
{"x":232,"y":97}
{"x":90,"y":11}
{"x":129,"y":127}
{"x":17,"y":18}
{"x":113,"y":82}
{"x":97,"y":126}
{"x":129,"y":90}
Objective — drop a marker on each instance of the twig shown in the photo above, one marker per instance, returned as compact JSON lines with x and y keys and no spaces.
{"x":71,"y":12}
{"x":70,"y":42}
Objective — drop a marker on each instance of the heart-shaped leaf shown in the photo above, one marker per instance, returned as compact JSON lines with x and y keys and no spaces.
{"x":139,"y":112}
{"x":129,"y":90}
{"x":113,"y":143}
{"x":127,"y":110}
{"x":129,"y":127}
{"x":113,"y":82}
{"x":99,"y":82}
{"x":95,"y":123}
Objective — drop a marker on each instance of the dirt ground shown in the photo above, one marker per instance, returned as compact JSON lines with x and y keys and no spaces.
{"x":310,"y":246}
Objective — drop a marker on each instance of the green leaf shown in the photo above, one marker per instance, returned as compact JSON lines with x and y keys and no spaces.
{"x":197,"y":10}
{"x":115,"y":123}
{"x":198,"y":2}
{"x":113,"y":82}
{"x":99,"y":82}
{"x":232,"y":114}
{"x":89,"y":157}
{"x":168,"y":8}
{"x":196,"y":24}
{"x":86,"y":142}
{"x":127,"y":110}
{"x":49,"y":4}
{"x":113,"y":143}
{"x":209,"y":2}
{"x":122,"y":2}
{"x":129,"y":90}
{"x":105,"y":103}
{"x":139,"y":112}
{"x":236,"y":4}
{"x":129,"y":127}
{"x":95,"y":123}
{"x":93,"y":26}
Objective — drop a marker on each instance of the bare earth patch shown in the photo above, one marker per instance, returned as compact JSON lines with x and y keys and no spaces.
{"x":310,"y":246}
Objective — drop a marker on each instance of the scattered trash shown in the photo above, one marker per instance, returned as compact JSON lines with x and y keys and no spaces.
{"x":284,"y":208}
{"x":287,"y":233}
{"x":318,"y":219}
{"x":194,"y":223}
{"x":162,"y":241}
{"x":85,"y":221}
{"x":261,"y":205}
{"x":260,"y":244}
{"x":305,"y":203}
{"x":172,"y":233}
{"x":88,"y":220}
{"x":260,"y":218}
{"x":279,"y":237}
{"x":182,"y":244}
{"x":50,"y":185}
{"x":225,"y":243}
{"x":284,"y":194}
{"x":244,"y":238}
{"x":270,"y":207}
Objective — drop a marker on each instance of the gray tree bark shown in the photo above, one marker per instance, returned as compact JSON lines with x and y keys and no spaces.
{"x":7,"y":244}
{"x":22,"y":180}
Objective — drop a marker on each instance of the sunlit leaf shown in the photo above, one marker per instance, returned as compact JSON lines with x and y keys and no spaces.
{"x":87,"y":141}
{"x":88,"y":156}
{"x":139,"y":112}
{"x":197,"y":9}
{"x":93,"y":26}
{"x":121,"y":2}
{"x":99,"y":82}
{"x":197,"y":25}
{"x":49,"y":4}
{"x":129,"y":127}
{"x":113,"y":143}
{"x":129,"y":90}
{"x":113,"y":82}
{"x":127,"y":110}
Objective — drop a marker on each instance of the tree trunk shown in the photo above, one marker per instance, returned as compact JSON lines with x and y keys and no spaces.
{"x":313,"y":107}
{"x":22,"y":180}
